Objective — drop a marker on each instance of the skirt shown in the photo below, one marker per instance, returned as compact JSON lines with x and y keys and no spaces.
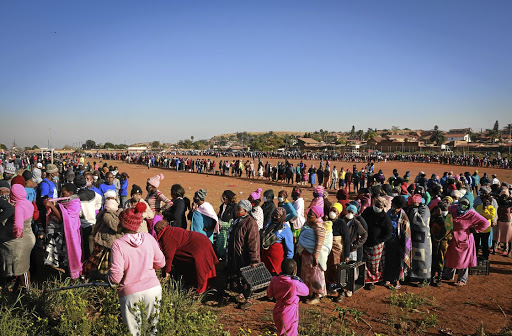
{"x":374,"y":258}
{"x":99,"y":260}
{"x":313,"y":276}
{"x":503,"y":232}
{"x":273,"y":257}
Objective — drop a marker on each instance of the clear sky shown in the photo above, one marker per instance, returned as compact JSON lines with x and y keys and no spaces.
{"x":129,"y":71}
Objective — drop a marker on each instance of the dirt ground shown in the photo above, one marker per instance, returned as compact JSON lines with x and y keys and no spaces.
{"x":485,"y":301}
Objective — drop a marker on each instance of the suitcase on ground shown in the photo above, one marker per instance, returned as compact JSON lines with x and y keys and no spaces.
{"x":351,"y":275}
{"x":255,"y":281}
{"x":482,"y":267}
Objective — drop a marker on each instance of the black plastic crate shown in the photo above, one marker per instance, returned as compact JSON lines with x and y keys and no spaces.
{"x":482,"y":267}
{"x":347,"y":275}
{"x":255,"y":281}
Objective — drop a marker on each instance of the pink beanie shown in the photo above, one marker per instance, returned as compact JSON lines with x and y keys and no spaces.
{"x":155,"y":180}
{"x":318,"y":211}
{"x":257,"y":194}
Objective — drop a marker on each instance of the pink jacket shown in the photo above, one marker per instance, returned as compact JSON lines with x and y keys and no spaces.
{"x":461,"y":251}
{"x":23,"y":209}
{"x":286,"y":291}
{"x":134,"y":260}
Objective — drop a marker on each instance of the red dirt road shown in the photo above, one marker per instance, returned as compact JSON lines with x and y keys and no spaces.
{"x":485,"y":300}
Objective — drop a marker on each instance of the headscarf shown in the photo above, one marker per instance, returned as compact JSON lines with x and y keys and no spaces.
{"x":201,"y":194}
{"x":318,"y":211}
{"x":256,"y":195}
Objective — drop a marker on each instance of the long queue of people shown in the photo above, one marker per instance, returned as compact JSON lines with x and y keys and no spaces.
{"x":80,"y":221}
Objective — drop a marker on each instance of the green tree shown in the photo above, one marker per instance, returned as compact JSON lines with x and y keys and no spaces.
{"x":109,"y":145}
{"x":370,"y":134}
{"x":155,"y":144}
{"x":437,"y":136}
{"x":89,"y":144}
{"x":35,"y":147}
{"x":2,"y":146}
{"x":352,"y":133}
{"x":359,"y":134}
{"x":496,"y":126}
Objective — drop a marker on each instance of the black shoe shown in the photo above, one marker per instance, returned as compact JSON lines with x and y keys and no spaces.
{"x":369,"y":286}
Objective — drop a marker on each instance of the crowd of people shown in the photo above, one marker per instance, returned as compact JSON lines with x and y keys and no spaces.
{"x":81,"y":219}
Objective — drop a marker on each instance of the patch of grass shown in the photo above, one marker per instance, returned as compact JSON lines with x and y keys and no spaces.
{"x":407,"y":300}
{"x":314,"y":322}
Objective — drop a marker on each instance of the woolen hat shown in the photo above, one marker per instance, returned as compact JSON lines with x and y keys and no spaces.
{"x":155,"y":180}
{"x":51,"y":168}
{"x":135,"y":190}
{"x":245,"y":204}
{"x":18,"y":180}
{"x":352,"y":208}
{"x":10,"y":169}
{"x":201,"y":194}
{"x":131,"y":219}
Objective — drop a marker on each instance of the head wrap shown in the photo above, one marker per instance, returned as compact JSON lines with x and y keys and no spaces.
{"x":18,"y":180}
{"x":135,"y":190}
{"x":37,"y":175}
{"x":319,"y":190}
{"x":352,"y":208}
{"x":416,"y":198}
{"x":111,"y":205}
{"x":318,"y":211}
{"x":39,"y":165}
{"x":456,"y":194}
{"x":448,"y":199}
{"x":380,"y":202}
{"x":131,"y":219}
{"x":256,"y":195}
{"x":503,"y":192}
{"x":279,"y":214}
{"x":10,"y":169}
{"x":201,"y":194}
{"x":110,"y":193}
{"x":51,"y":168}
{"x":403,"y":189}
{"x":245,"y":204}
{"x":155,"y":180}
{"x":18,"y":192}
{"x":338,"y":206}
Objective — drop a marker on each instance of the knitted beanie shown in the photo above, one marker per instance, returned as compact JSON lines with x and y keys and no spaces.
{"x":155,"y":180}
{"x":132,"y":218}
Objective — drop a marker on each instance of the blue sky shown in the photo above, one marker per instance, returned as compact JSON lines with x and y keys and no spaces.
{"x":129,"y":71}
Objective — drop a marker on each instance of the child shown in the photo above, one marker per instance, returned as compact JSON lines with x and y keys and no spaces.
{"x":286,"y":289}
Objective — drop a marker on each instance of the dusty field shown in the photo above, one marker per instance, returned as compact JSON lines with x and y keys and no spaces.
{"x":485,"y":301}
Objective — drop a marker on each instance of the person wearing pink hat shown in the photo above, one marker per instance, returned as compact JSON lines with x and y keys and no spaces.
{"x":155,"y":197}
{"x":257,"y":211}
{"x":318,"y":198}
{"x":135,"y":256}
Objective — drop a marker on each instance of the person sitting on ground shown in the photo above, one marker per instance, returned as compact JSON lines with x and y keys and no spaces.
{"x":286,"y":289}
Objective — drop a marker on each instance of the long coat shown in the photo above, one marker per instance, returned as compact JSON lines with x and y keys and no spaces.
{"x":461,"y":250}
